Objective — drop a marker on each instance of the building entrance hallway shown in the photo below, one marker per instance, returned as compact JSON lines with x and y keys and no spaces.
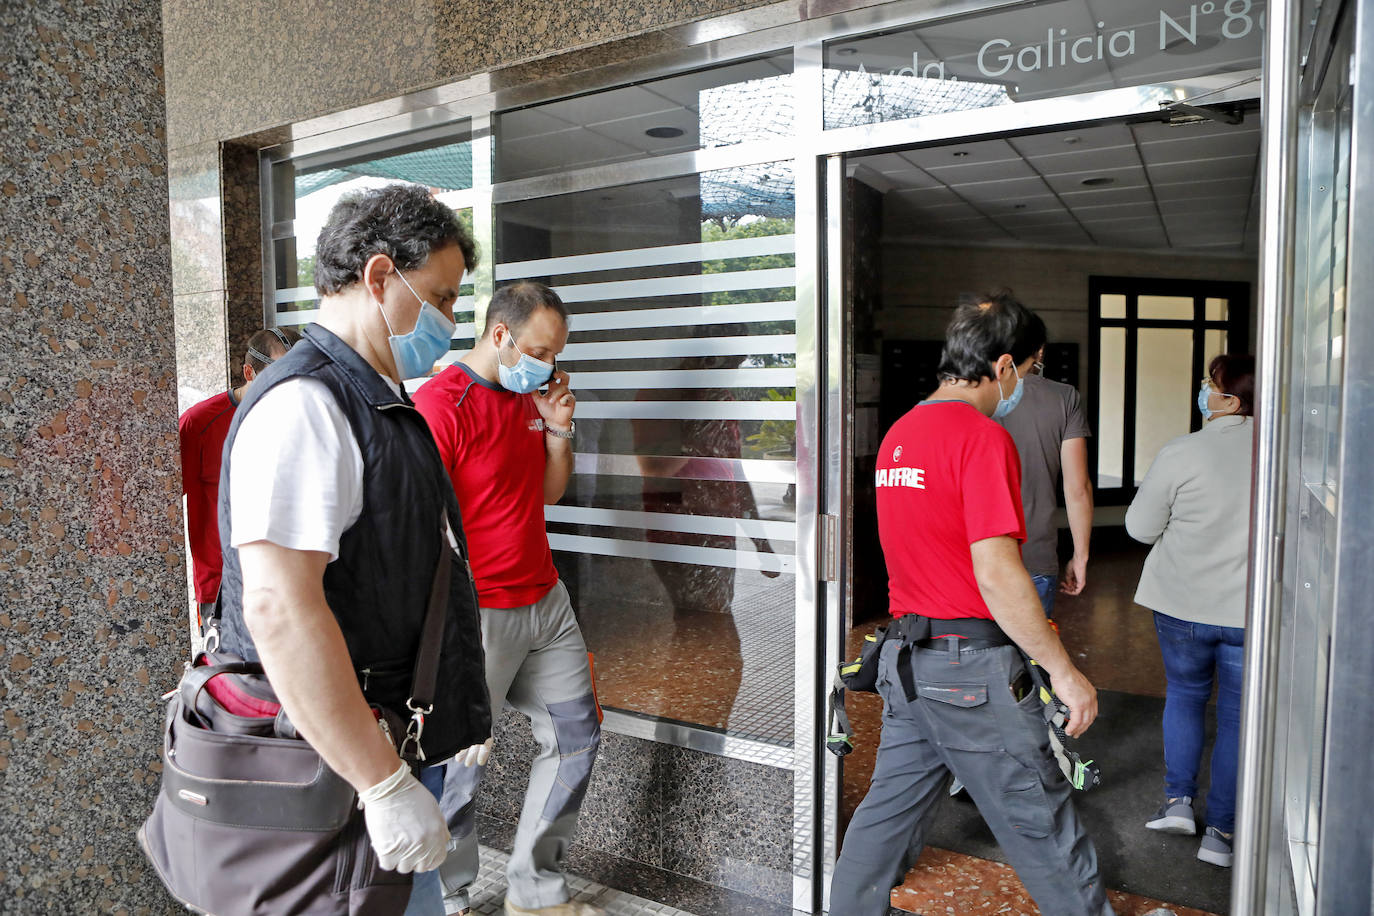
{"x":1058,"y":217}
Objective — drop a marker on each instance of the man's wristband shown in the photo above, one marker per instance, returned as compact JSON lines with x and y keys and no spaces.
{"x":568,"y":433}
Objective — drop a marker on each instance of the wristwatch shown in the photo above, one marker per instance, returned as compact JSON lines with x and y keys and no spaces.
{"x":568,"y":433}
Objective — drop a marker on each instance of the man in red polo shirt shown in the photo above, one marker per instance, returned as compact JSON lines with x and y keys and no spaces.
{"x":508,"y":450}
{"x":957,"y":694}
{"x":202,"y":429}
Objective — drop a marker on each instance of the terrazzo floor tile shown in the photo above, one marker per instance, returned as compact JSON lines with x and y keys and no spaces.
{"x":947,"y":883}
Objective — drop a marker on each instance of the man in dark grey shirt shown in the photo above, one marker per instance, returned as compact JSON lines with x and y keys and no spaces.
{"x":1051,"y":433}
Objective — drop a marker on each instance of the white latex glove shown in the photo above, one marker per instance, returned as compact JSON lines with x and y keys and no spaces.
{"x":475,"y":755}
{"x":404,"y":823}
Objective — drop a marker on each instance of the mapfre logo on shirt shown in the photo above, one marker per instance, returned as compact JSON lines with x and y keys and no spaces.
{"x":902,"y":477}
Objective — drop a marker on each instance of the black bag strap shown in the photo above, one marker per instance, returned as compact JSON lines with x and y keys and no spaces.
{"x":198,"y":676}
{"x":425,"y":677}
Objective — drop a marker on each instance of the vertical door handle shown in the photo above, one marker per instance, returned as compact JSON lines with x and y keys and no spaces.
{"x":830,"y":548}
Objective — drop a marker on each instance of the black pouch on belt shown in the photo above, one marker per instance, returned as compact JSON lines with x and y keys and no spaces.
{"x":861,"y":674}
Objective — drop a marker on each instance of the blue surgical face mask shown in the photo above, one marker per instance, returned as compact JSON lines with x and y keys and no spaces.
{"x":528,"y":373}
{"x":415,"y":353}
{"x":1203,"y":394}
{"x":1008,"y":404}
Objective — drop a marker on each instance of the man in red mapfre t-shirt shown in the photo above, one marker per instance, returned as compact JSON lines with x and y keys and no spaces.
{"x":508,"y":450}
{"x":950,"y":522}
{"x":202,"y":429}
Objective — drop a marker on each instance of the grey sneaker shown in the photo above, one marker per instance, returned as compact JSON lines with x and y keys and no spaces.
{"x":1175,"y":816}
{"x":1215,"y":848}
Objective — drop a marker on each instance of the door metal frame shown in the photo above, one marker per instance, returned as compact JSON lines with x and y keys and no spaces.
{"x":1346,"y":838}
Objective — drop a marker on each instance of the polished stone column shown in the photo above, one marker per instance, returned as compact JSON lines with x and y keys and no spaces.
{"x":92,"y":581}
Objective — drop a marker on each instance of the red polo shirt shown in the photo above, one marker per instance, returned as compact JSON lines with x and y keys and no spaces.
{"x":947,"y":476}
{"x":202,"y":430}
{"x":492,"y":442}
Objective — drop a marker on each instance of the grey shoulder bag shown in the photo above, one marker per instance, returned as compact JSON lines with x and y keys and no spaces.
{"x":249,"y":819}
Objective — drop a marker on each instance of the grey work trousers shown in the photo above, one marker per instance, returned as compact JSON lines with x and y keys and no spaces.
{"x":537,"y":660}
{"x":964,"y":720}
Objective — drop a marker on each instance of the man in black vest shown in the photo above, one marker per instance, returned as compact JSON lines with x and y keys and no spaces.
{"x":335,"y":510}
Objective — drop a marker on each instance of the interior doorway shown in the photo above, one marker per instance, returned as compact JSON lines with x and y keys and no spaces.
{"x":1061,"y":217}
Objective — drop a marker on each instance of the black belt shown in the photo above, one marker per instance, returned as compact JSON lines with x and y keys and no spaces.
{"x":927,"y":631}
{"x":957,"y":634}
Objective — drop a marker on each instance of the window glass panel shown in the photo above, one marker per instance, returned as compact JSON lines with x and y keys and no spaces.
{"x":677,"y":534}
{"x":749,"y":100}
{"x":1164,"y":391}
{"x":1176,"y":308}
{"x":1214,"y":344}
{"x":1032,"y":51}
{"x":1111,"y":404}
{"x":1217,"y":309}
{"x":1112,"y":305}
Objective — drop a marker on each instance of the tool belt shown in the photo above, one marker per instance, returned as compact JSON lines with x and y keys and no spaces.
{"x":955,"y":635}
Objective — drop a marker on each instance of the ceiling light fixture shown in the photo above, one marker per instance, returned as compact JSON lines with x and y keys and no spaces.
{"x":960,"y":153}
{"x":1098,"y":182}
{"x":664,"y":133}
{"x":846,"y":52}
{"x":1071,"y":140}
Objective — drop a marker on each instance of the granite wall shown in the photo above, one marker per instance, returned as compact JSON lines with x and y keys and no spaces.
{"x":92,"y":583}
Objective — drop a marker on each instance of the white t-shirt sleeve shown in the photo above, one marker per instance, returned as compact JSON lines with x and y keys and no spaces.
{"x":295,"y":471}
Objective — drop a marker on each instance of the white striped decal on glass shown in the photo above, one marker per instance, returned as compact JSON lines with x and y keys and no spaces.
{"x":681,"y":346}
{"x":754,"y":470}
{"x":686,"y":316}
{"x":687,"y":410}
{"x":670,"y":521}
{"x":648,"y":257}
{"x":677,"y":553}
{"x":772,"y":278}
{"x":685,"y":378}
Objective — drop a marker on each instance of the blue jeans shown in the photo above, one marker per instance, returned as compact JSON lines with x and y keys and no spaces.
{"x":1045,"y":587}
{"x":1194,"y":653}
{"x":426,"y":896}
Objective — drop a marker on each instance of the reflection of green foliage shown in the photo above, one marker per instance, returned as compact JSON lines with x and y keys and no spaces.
{"x":716,"y":230}
{"x":776,"y":438}
{"x":305,"y":271}
{"x":719,"y":231}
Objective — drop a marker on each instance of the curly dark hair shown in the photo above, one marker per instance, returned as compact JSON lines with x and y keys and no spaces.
{"x":980,"y":332}
{"x":402,"y":221}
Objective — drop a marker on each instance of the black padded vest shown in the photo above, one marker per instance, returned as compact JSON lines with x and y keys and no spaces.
{"x":378,"y":588}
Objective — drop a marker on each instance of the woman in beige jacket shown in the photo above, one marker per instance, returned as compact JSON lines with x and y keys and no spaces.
{"x":1194,"y":508}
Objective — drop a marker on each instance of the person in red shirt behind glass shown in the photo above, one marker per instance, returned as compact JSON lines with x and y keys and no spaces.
{"x":202,"y":429}
{"x":508,"y":449}
{"x":957,"y":694}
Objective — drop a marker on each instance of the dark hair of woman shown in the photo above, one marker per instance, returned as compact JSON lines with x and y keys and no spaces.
{"x":1234,"y":374}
